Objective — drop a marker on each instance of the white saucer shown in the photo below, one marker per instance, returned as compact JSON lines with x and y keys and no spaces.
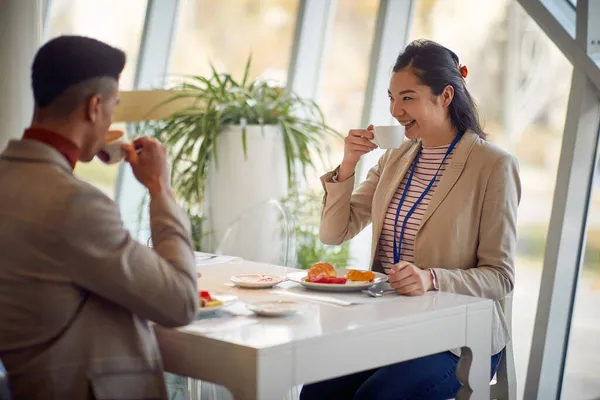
{"x":256,"y":281}
{"x":276,"y":308}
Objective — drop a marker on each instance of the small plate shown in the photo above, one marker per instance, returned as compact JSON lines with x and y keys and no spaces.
{"x":275,"y":308}
{"x":256,"y":281}
{"x":349,"y":286}
{"x":227,"y":300}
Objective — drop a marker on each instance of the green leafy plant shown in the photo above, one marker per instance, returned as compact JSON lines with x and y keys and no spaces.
{"x":218,"y":101}
{"x":309,"y":249}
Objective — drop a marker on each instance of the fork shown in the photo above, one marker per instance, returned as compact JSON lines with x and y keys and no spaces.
{"x":378,"y":290}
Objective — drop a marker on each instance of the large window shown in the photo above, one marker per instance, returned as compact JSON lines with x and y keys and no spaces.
{"x":346,"y":69}
{"x":226,"y":32}
{"x":520,"y":81}
{"x":582,"y":377}
{"x":118,"y":23}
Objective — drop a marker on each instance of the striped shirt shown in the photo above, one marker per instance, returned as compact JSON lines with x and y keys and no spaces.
{"x":429,"y":162}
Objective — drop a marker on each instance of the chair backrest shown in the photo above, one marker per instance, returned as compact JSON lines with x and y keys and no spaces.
{"x":262,"y":233}
{"x":505,"y":387}
{"x":4,"y":387}
{"x":506,"y":304}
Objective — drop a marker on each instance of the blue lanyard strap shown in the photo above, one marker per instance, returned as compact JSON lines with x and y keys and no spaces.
{"x":398,"y":242}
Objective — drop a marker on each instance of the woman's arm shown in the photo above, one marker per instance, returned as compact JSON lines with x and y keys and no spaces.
{"x":494,"y":275}
{"x":345,"y":213}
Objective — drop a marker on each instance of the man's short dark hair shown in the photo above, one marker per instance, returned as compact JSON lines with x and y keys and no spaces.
{"x":68,"y":61}
{"x":80,"y":93}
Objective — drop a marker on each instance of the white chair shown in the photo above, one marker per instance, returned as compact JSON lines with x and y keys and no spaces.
{"x":263,"y":233}
{"x":505,"y":387}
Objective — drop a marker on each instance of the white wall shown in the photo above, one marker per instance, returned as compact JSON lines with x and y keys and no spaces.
{"x":21,"y":32}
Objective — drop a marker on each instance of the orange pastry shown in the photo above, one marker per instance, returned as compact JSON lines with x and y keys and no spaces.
{"x":356,"y":275}
{"x":321,"y":268}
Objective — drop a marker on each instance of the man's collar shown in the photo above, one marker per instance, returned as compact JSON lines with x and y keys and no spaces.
{"x":63,"y":145}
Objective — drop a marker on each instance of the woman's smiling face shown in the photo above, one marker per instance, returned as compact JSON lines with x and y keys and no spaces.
{"x":413,"y":104}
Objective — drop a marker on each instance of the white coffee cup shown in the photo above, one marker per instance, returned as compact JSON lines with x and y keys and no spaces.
{"x":388,"y":137}
{"x":111,"y":152}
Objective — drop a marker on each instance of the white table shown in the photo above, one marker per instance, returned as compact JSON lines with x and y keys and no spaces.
{"x":262,"y":358}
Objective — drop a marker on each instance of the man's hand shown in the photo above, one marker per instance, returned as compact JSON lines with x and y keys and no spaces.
{"x":148,"y":160}
{"x":410,"y":280}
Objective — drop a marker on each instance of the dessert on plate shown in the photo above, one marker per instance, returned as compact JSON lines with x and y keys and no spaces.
{"x":362,"y":276}
{"x":207,"y":301}
{"x":321,"y":268}
{"x":324,"y":272}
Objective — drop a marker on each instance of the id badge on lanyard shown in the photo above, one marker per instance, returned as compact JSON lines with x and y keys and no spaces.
{"x":398,"y":241}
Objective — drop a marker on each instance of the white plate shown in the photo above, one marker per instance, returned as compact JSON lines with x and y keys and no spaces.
{"x":227,"y":300}
{"x":257,"y":281}
{"x":349,"y":286}
{"x":276,"y":308}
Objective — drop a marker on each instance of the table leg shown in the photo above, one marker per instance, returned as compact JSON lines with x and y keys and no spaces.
{"x":473,"y":369}
{"x":267,"y":377}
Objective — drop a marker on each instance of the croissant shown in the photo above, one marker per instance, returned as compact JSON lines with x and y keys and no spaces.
{"x":356,"y":275}
{"x":321,"y":268}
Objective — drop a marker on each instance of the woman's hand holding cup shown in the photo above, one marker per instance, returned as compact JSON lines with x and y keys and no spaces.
{"x":357,"y":143}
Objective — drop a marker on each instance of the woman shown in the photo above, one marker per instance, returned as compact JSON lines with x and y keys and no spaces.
{"x":443,"y":208}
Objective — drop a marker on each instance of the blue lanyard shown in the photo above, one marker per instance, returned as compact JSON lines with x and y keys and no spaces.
{"x":398,"y":243}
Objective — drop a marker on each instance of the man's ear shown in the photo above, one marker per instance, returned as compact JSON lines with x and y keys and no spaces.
{"x":447,"y":95}
{"x":93,"y":108}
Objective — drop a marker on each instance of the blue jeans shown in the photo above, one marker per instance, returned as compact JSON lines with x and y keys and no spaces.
{"x":428,"y":378}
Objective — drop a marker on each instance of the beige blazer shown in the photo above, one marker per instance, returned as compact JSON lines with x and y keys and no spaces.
{"x":68,"y":265}
{"x":468,"y":232}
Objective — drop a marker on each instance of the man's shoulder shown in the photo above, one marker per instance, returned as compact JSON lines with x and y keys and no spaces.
{"x":45,"y":193}
{"x":71,"y":195}
{"x":79,"y":187}
{"x":79,"y":193}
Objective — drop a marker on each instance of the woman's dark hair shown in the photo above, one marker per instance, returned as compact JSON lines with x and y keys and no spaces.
{"x":437,"y":67}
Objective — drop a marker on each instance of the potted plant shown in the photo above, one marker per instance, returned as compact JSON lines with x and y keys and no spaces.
{"x":236,"y":144}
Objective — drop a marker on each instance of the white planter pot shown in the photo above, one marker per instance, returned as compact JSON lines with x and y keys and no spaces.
{"x":237,"y":183}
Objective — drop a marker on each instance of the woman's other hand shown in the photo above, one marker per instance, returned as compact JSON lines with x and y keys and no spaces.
{"x":357,"y":143}
{"x":410,"y":280}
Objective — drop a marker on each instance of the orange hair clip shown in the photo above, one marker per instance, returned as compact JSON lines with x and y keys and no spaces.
{"x":463,"y":71}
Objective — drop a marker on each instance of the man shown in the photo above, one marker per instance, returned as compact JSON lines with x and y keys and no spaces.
{"x":76,"y":291}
